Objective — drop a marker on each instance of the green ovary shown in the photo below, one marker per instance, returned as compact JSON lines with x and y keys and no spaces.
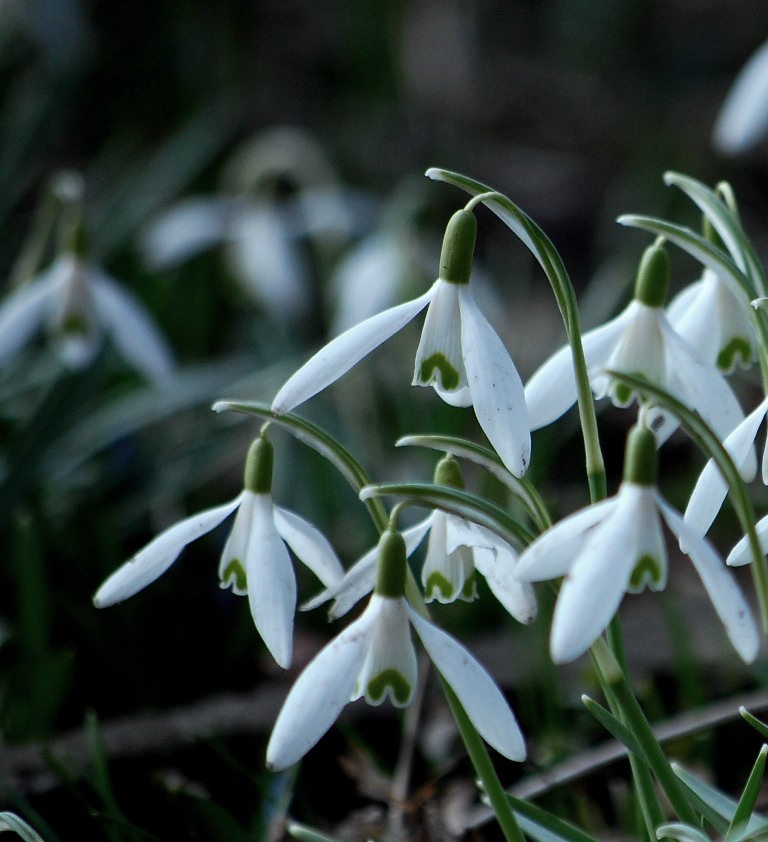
{"x":647,"y":570}
{"x":234,"y":573}
{"x":729,"y":355}
{"x":400,"y":688}
{"x":449,"y":377}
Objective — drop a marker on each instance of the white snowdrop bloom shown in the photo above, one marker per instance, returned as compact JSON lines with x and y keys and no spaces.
{"x":710,"y":489}
{"x":255,"y":559}
{"x":616,"y":546}
{"x":743,"y":118}
{"x":642,"y":342}
{"x":374,"y":658}
{"x":714,"y":322}
{"x":80,"y":306}
{"x":459,"y":354}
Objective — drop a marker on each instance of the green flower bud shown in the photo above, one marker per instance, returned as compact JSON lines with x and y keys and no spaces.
{"x":258,"y":467}
{"x":653,"y":277}
{"x":641,"y":459}
{"x":391,"y":565}
{"x":458,"y":248}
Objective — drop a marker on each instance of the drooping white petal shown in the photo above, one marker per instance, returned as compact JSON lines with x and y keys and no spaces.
{"x":185,"y":230}
{"x":340,"y":354}
{"x":446,"y":569}
{"x":499,"y":570}
{"x":151,"y":562}
{"x":310,"y":546}
{"x":271,"y":582}
{"x":232,"y":573}
{"x":439,"y":361}
{"x":710,"y":489}
{"x":741,"y":554}
{"x":477,"y":692}
{"x":389,"y":668}
{"x":596,"y":582}
{"x":720,"y":585}
{"x":551,"y":390}
{"x":26,"y":308}
{"x":361,"y":576}
{"x":554,"y":551}
{"x":319,"y":694}
{"x":129,"y":325}
{"x":497,"y":392}
{"x":743,"y":117}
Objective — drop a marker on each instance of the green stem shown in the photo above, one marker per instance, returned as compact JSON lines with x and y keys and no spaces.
{"x":486,"y":773}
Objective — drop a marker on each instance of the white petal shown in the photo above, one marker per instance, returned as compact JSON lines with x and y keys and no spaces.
{"x":271,"y":582}
{"x":497,"y":392}
{"x":595,"y":584}
{"x":743,"y":118}
{"x":310,"y":546}
{"x":188,"y":228}
{"x":516,"y":596}
{"x":554,"y":551}
{"x":232,"y":571}
{"x":478,"y":693}
{"x":151,"y":562}
{"x":710,"y":489}
{"x":319,"y":695}
{"x":726,"y":597}
{"x":338,"y":356}
{"x":132,"y":330}
{"x":741,"y":554}
{"x":551,"y":390}
{"x":445,"y":571}
{"x":26,"y":308}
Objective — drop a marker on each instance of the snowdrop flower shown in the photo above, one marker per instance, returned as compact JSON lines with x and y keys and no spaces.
{"x":459,"y":354}
{"x":710,"y":489}
{"x":616,"y":545}
{"x":456,"y":551}
{"x":374,"y":657}
{"x":255,"y":559}
{"x":709,"y":316}
{"x":743,"y":118}
{"x":639,"y":341}
{"x":81,"y":306}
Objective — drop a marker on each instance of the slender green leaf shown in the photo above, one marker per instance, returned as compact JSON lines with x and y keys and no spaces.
{"x":613,"y":725}
{"x":748,"y":799}
{"x":682,"y":832}
{"x":756,"y":723}
{"x":10,"y":821}
{"x":307,"y":834}
{"x":543,"y":826}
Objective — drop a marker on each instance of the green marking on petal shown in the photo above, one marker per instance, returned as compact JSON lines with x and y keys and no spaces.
{"x":469,"y":591}
{"x":399,"y":688}
{"x":623,"y":394}
{"x":647,"y":572}
{"x":74,"y":324}
{"x":729,"y":356}
{"x":438,"y":582}
{"x":234,"y":575}
{"x":449,"y":377}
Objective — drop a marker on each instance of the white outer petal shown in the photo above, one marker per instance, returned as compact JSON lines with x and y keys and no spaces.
{"x":151,"y":562}
{"x":478,"y":693}
{"x":595,"y":584}
{"x":499,"y":570}
{"x":129,"y":325}
{"x":551,"y":390}
{"x":726,"y":597}
{"x":271,"y":582}
{"x":236,"y":548}
{"x":340,"y":354}
{"x":497,"y":392}
{"x":319,"y":694}
{"x":743,"y":117}
{"x":710,"y":489}
{"x":554,"y":551}
{"x":26,"y":308}
{"x":741,"y":553}
{"x":310,"y":546}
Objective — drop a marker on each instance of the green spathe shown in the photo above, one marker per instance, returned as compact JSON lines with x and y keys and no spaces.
{"x":448,"y":472}
{"x":641,"y":459}
{"x":653,"y":277}
{"x":458,"y":248}
{"x":390,"y":573}
{"x":258,"y":467}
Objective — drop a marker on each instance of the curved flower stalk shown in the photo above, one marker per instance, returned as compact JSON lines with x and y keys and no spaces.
{"x":642,"y":342}
{"x":255,"y":559}
{"x":743,"y":118}
{"x":715,"y":323}
{"x":80,"y":306}
{"x":459,"y":354}
{"x":616,"y":546}
{"x":374,"y":658}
